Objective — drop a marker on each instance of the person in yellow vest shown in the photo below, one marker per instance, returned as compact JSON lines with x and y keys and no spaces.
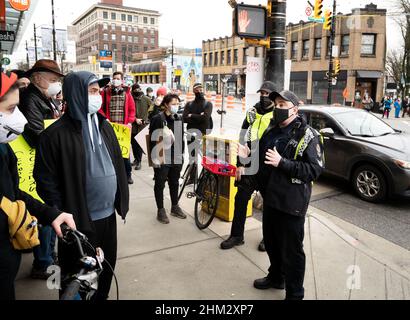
{"x":257,"y":121}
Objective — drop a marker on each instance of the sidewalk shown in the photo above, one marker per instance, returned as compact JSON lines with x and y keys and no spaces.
{"x":179,"y":262}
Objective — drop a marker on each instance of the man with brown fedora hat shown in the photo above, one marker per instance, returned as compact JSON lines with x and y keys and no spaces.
{"x":37,"y":105}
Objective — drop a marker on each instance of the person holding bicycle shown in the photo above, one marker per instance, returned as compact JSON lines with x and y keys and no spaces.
{"x":12,"y":124}
{"x":79,"y":168}
{"x":257,"y":121}
{"x":167,"y":152}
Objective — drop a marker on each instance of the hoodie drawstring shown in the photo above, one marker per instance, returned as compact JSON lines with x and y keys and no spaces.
{"x":90,"y":128}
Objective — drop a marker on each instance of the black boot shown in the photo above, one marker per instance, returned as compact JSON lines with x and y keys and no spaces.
{"x":232,"y":242}
{"x":267,"y":283}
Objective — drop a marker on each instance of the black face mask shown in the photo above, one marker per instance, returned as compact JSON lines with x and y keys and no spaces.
{"x":138,"y":93}
{"x":280,"y":115}
{"x":266,"y":103}
{"x":199,"y":96}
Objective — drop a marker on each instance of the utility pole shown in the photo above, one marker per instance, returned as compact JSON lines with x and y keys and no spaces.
{"x":172,"y":64}
{"x":331,"y":58}
{"x":27,"y":56}
{"x":275,"y":70}
{"x":35,"y":42}
{"x":54,"y":31}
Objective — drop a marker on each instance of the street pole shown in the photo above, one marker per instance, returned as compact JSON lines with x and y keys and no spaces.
{"x":275,"y":70}
{"x":331,"y":60}
{"x":27,"y":56}
{"x":54,"y":31}
{"x":35,"y":42}
{"x":172,"y":68}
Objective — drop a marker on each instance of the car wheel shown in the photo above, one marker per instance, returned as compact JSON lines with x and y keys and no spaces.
{"x":369,"y":183}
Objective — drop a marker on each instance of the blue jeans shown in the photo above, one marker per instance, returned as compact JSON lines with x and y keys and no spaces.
{"x":43,"y":254}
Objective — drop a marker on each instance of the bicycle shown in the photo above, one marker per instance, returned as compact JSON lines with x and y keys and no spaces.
{"x":83,"y":283}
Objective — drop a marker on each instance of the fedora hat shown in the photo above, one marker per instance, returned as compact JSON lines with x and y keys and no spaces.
{"x":45,"y":65}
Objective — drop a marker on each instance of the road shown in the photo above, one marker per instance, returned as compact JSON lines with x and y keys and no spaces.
{"x":389,"y":220}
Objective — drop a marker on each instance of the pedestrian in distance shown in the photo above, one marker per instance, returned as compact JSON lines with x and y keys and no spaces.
{"x":397,"y":107}
{"x":37,"y":104}
{"x":119,"y":107}
{"x":291,"y":158}
{"x":387,"y":107}
{"x":405,"y":106}
{"x":256,"y":122}
{"x":156,"y":108}
{"x":142,"y":104}
{"x":12,"y":123}
{"x":90,"y":180}
{"x":150,"y":94}
{"x":167,"y":152}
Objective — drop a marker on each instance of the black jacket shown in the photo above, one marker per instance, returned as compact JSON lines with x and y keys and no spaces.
{"x":197,"y":120}
{"x":36,"y":108}
{"x":60,"y":165}
{"x":288,"y":188}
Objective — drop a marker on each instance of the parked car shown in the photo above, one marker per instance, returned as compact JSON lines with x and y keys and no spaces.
{"x":364,"y":150}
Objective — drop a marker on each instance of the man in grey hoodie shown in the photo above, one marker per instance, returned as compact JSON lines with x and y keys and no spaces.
{"x":79,"y":166}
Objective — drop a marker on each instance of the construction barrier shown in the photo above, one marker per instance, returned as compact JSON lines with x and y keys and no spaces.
{"x":218,"y":101}
{"x":230,"y":102}
{"x":244,"y":104}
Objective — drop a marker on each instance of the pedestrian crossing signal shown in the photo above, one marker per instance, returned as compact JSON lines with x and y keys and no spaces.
{"x":327,"y":25}
{"x":318,"y":9}
{"x":337,"y":67}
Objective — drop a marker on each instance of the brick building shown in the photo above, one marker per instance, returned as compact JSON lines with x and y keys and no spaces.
{"x":361,"y":37}
{"x":109,"y":25}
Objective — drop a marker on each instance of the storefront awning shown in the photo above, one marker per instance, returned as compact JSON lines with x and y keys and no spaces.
{"x":146,"y":69}
{"x":369,"y":74}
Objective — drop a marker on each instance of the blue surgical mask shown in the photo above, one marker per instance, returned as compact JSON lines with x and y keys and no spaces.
{"x":94,"y":104}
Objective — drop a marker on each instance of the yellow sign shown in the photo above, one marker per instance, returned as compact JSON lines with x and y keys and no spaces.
{"x":123,"y":134}
{"x":26,"y":156}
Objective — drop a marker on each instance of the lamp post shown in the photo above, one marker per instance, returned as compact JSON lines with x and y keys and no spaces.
{"x":54,"y":31}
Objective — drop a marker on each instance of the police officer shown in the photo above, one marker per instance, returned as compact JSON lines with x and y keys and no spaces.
{"x":257,"y":121}
{"x":291,"y":158}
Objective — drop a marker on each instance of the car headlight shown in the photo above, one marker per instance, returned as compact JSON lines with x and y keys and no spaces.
{"x":403,"y":164}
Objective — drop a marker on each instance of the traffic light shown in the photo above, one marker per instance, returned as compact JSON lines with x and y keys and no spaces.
{"x":318,"y":9}
{"x":250,"y":22}
{"x":337,"y":67}
{"x":327,"y":25}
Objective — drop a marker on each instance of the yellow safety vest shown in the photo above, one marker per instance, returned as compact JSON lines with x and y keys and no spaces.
{"x":259,"y":126}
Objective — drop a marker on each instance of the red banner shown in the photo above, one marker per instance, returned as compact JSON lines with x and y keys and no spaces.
{"x":3,"y":14}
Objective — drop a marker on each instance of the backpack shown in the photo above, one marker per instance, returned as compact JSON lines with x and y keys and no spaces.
{"x":23,"y":227}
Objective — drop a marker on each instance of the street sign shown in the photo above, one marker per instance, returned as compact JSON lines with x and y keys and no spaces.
{"x":251,"y":21}
{"x":334,"y":81}
{"x":308,"y":11}
{"x":5,"y":61}
{"x":9,"y":36}
{"x":106,"y":59}
{"x":20,"y":5}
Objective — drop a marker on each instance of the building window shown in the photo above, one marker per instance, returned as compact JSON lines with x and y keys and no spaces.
{"x":105,"y":15}
{"x":294,"y":54}
{"x":129,"y":18}
{"x":211,"y":58}
{"x":105,"y":46}
{"x":153,"y":41}
{"x":130,"y":29}
{"x":114,"y":46}
{"x":113,"y":16}
{"x":318,"y":48}
{"x":113,"y":26}
{"x":235,"y":56}
{"x":123,"y":28}
{"x":114,"y":37}
{"x":136,"y":19}
{"x":136,"y":29}
{"x":205,"y":60}
{"x":145,"y":30}
{"x":145,"y":40}
{"x":306,"y":46}
{"x":129,"y":38}
{"x":153,"y":31}
{"x":223,"y":58}
{"x":123,"y":38}
{"x":136,"y":39}
{"x":216,"y":60}
{"x":123,"y":17}
{"x":229,"y":57}
{"x":245,"y":56}
{"x":345,"y":43}
{"x":152,"y":20}
{"x":145,"y":20}
{"x":105,"y":26}
{"x":105,"y":37}
{"x":368,"y":44}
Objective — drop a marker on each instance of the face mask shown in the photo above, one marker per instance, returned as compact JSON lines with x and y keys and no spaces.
{"x":174,"y":109}
{"x":94,"y":104}
{"x":138,"y":93}
{"x":117,"y":83}
{"x":200,"y":95}
{"x":11,"y":126}
{"x":54,"y":89}
{"x":266,"y":103}
{"x":281,"y":115}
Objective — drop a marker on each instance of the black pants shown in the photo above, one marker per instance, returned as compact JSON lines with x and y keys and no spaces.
{"x":9,"y":265}
{"x":171,"y":173}
{"x":242,"y":198}
{"x":136,"y":149}
{"x":104,"y":238}
{"x":128,"y":168}
{"x":284,"y":235}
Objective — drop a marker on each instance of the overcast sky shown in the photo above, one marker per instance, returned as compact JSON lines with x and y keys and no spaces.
{"x":191,"y":21}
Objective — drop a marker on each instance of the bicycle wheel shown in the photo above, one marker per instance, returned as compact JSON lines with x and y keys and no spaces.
{"x":207,"y":198}
{"x":185,"y":177}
